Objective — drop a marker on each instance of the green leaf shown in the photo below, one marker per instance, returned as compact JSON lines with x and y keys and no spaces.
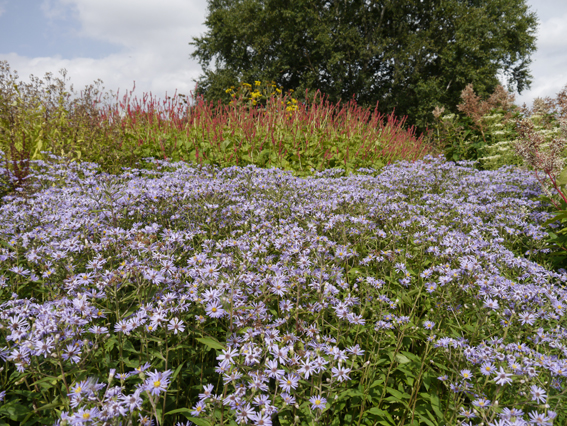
{"x":50,"y":406}
{"x":176,"y":372}
{"x":413,"y":357}
{"x":397,"y":394}
{"x":131,"y":363}
{"x":128,"y":346}
{"x":425,"y":420}
{"x":109,"y":344}
{"x":378,"y":412}
{"x":157,"y":354}
{"x":402,"y":359}
{"x":350,"y":393}
{"x":211,"y":343}
{"x":199,"y":422}
{"x":14,"y":411}
{"x":376,"y":383}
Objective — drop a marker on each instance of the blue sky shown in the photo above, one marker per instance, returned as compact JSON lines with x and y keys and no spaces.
{"x":146,"y":41}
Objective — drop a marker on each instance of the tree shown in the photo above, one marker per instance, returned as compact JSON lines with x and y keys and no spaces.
{"x":408,"y":55}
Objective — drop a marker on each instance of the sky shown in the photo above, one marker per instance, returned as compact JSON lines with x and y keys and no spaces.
{"x":146,"y":43}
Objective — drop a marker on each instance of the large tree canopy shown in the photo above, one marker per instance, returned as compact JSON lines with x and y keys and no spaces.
{"x":410,"y":55}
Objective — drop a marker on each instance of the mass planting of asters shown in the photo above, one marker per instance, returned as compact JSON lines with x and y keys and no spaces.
{"x":413,"y":295}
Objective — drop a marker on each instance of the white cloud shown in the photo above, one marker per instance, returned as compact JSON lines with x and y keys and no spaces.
{"x":53,"y":10}
{"x":153,"y":45}
{"x":120,"y":70}
{"x":552,"y":35}
{"x":140,"y":24}
{"x":549,"y":62}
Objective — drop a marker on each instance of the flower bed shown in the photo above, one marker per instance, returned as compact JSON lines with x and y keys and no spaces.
{"x":411,"y":296}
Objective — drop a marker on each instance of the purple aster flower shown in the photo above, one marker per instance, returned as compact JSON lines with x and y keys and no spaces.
{"x":467,"y":413}
{"x":260,"y":419}
{"x":208,"y":389}
{"x":538,"y":394}
{"x":317,"y":402}
{"x":307,"y":368}
{"x":84,"y":416}
{"x":502,"y":378}
{"x":487,"y":369}
{"x":341,"y":373}
{"x":288,"y":399}
{"x":198,"y":409}
{"x":134,"y":401}
{"x":72,"y":353}
{"x":157,"y":382}
{"x":176,"y":325}
{"x":145,"y":420}
{"x":355,"y":350}
{"x":227,"y":356}
{"x":428,"y":325}
{"x":539,"y":419}
{"x":290,"y":382}
{"x":481,"y":403}
{"x":466,"y":374}
{"x":215,"y":310}
{"x":273,"y":371}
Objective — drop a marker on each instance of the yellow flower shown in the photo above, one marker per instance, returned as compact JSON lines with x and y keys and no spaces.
{"x":228,"y":90}
{"x":257,"y":83}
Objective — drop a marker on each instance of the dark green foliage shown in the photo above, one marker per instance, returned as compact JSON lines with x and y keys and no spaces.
{"x":408,"y":55}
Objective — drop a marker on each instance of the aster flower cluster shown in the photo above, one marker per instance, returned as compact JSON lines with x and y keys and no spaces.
{"x":276,"y":296}
{"x":89,"y":406}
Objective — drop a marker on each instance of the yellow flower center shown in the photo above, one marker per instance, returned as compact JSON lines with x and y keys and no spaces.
{"x":78,"y":390}
{"x":86,"y":416}
{"x":317,"y":401}
{"x":157,"y":384}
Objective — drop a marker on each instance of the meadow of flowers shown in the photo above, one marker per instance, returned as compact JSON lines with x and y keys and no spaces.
{"x":417,"y":294}
{"x":301,"y":264}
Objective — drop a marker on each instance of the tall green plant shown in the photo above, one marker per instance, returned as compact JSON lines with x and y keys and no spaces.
{"x":472,"y":134}
{"x":548,"y":161}
{"x":284,"y":134}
